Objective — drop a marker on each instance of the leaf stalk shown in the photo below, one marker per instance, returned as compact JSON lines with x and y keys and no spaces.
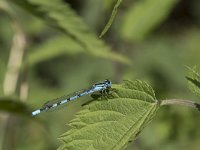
{"x":187,"y":103}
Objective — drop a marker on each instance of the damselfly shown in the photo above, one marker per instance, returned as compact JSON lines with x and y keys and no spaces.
{"x":102,"y":87}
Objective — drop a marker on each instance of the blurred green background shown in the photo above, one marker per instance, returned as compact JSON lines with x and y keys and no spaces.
{"x":159,"y":38}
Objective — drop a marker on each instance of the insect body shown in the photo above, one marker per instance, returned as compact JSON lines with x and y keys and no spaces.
{"x":98,"y":87}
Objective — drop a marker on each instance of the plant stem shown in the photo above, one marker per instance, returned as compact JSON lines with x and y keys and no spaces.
{"x":187,"y":103}
{"x":11,"y":81}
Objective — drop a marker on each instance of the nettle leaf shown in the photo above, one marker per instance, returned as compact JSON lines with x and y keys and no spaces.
{"x":144,"y":16}
{"x":112,"y":17}
{"x":111,"y":122}
{"x":194,"y":81}
{"x":59,"y":15}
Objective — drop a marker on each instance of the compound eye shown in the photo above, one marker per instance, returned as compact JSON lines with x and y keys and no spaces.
{"x":107,"y":81}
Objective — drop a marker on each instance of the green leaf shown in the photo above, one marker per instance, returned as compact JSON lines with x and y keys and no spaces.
{"x":14,"y":106}
{"x":144,"y":16}
{"x":112,"y":17}
{"x":194,"y":81}
{"x":59,"y":15}
{"x":49,"y":50}
{"x":112,"y":122}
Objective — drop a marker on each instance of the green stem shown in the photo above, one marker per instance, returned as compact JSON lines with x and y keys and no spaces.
{"x":182,"y":102}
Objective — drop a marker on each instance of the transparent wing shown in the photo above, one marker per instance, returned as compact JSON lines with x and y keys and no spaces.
{"x":59,"y":99}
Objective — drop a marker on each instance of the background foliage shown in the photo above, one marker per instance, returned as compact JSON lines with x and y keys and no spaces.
{"x":151,"y":40}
